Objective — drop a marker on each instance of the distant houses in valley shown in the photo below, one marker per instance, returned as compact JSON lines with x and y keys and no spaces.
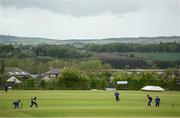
{"x":53,"y":73}
{"x":16,"y":72}
{"x":15,"y":75}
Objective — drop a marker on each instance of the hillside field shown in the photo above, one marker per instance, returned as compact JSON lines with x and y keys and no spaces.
{"x":89,"y":104}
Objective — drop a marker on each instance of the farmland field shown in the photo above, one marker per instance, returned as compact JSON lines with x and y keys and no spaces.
{"x":89,"y":104}
{"x":159,"y":56}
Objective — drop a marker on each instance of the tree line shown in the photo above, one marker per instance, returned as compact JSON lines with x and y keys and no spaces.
{"x":42,"y":50}
{"x":117,"y":55}
{"x":128,"y":47}
{"x":69,"y":51}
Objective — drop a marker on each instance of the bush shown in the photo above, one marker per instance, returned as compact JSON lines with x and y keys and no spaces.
{"x":73,"y":79}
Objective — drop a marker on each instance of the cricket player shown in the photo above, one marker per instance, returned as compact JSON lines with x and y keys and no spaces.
{"x":34,"y":102}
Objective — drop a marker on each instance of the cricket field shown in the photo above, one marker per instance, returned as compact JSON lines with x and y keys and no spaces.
{"x":89,"y":104}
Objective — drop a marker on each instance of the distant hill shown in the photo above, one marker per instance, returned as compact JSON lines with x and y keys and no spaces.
{"x":4,"y":39}
{"x":25,"y":40}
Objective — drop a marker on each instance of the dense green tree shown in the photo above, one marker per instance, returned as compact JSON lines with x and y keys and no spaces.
{"x":26,"y":54}
{"x":72,"y":79}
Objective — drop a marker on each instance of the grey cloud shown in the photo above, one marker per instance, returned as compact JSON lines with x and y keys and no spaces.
{"x":77,"y":7}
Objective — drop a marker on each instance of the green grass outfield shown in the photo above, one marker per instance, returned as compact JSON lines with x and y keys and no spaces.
{"x":89,"y":104}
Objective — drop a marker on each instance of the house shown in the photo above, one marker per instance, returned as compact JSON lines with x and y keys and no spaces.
{"x":13,"y":80}
{"x":46,"y":78}
{"x":53,"y":73}
{"x":16,"y":72}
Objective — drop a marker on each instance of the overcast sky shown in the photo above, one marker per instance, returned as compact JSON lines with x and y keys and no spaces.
{"x":89,"y":19}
